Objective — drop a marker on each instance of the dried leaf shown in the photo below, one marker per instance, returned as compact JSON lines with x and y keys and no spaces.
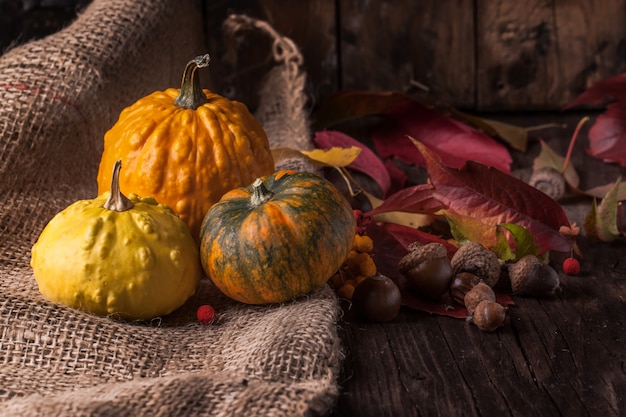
{"x":350,"y":105}
{"x":493,"y":198}
{"x":416,"y":199}
{"x":367,"y":162}
{"x":549,"y":158}
{"x":335,"y":156}
{"x":454,"y":141}
{"x":403,"y":218}
{"x":601,"y":190}
{"x":607,"y":136}
{"x":515,"y":136}
{"x":601,"y":222}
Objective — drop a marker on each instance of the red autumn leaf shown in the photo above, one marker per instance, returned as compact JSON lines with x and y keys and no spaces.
{"x":607,"y":136}
{"x":407,"y":235}
{"x":491,"y":197}
{"x":415,"y":199}
{"x":454,"y":141}
{"x":350,"y":105}
{"x":397,"y":176}
{"x":367,"y":162}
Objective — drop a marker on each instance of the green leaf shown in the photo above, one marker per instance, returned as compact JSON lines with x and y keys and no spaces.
{"x":601,"y":222}
{"x":502,"y":248}
{"x":524,"y":240}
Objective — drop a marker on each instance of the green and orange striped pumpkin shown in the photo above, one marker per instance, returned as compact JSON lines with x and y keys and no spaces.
{"x":278,"y":239}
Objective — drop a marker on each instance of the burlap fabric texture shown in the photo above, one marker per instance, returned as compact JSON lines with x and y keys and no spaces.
{"x":58,"y":96}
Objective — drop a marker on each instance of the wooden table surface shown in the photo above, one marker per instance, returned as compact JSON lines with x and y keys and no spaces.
{"x":562,"y":356}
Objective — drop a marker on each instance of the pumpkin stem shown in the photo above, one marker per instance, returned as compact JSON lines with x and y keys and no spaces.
{"x":260,"y":193}
{"x":117,"y":201}
{"x":191,"y":95}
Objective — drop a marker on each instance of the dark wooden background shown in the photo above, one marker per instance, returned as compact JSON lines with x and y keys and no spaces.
{"x":482,"y":55}
{"x":474,"y":54}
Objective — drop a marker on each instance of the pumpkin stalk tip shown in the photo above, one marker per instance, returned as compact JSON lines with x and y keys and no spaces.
{"x":260,"y":193}
{"x":117,"y":201}
{"x":191,"y":95}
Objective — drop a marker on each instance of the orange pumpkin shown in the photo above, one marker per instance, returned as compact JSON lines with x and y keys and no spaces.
{"x":278,"y":239}
{"x":186,"y":147}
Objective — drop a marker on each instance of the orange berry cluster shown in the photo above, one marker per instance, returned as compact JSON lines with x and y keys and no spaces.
{"x":358,"y":266}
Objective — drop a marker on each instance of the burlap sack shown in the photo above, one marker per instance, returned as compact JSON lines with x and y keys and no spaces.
{"x":58,"y":96}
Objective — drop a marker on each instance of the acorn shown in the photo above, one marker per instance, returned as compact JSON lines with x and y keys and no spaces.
{"x":478,"y":260}
{"x":377,"y":299}
{"x":531,"y":277}
{"x":481,"y":292}
{"x":489,"y":315}
{"x":427,"y":269}
{"x":461,"y":284}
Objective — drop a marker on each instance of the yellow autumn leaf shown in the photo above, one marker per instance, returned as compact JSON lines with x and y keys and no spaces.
{"x":336,"y":156}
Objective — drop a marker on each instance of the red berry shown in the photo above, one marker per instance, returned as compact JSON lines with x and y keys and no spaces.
{"x":571,"y":266}
{"x":205,"y":314}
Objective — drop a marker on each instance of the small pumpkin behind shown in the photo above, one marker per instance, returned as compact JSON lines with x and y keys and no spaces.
{"x":128,"y":257}
{"x":186,"y":147}
{"x":278,"y":239}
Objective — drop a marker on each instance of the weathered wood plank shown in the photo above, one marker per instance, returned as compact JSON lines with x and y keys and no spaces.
{"x":540,"y":54}
{"x":559,"y":356}
{"x":562,"y":356}
{"x":388,"y":45}
{"x":241,"y":63}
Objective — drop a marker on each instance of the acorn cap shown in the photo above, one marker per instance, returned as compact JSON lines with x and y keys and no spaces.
{"x":419,"y":253}
{"x":478,"y":260}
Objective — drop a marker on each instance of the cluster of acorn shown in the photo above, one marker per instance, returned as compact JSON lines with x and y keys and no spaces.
{"x":468,"y":278}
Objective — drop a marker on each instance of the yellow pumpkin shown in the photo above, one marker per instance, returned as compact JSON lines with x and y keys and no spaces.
{"x":186,"y":147}
{"x":128,"y":257}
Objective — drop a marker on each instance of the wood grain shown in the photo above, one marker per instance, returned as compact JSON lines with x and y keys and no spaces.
{"x":540,"y":54}
{"x":389,"y":45}
{"x":240,"y":63}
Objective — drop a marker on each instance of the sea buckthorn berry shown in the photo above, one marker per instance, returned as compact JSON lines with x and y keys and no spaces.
{"x":367,"y":267}
{"x":346,"y":291}
{"x":336,"y":281}
{"x":363,"y":243}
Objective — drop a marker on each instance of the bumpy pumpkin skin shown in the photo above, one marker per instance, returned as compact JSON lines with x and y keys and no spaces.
{"x":136,"y":264}
{"x":282,"y":249}
{"x":185,"y":158}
